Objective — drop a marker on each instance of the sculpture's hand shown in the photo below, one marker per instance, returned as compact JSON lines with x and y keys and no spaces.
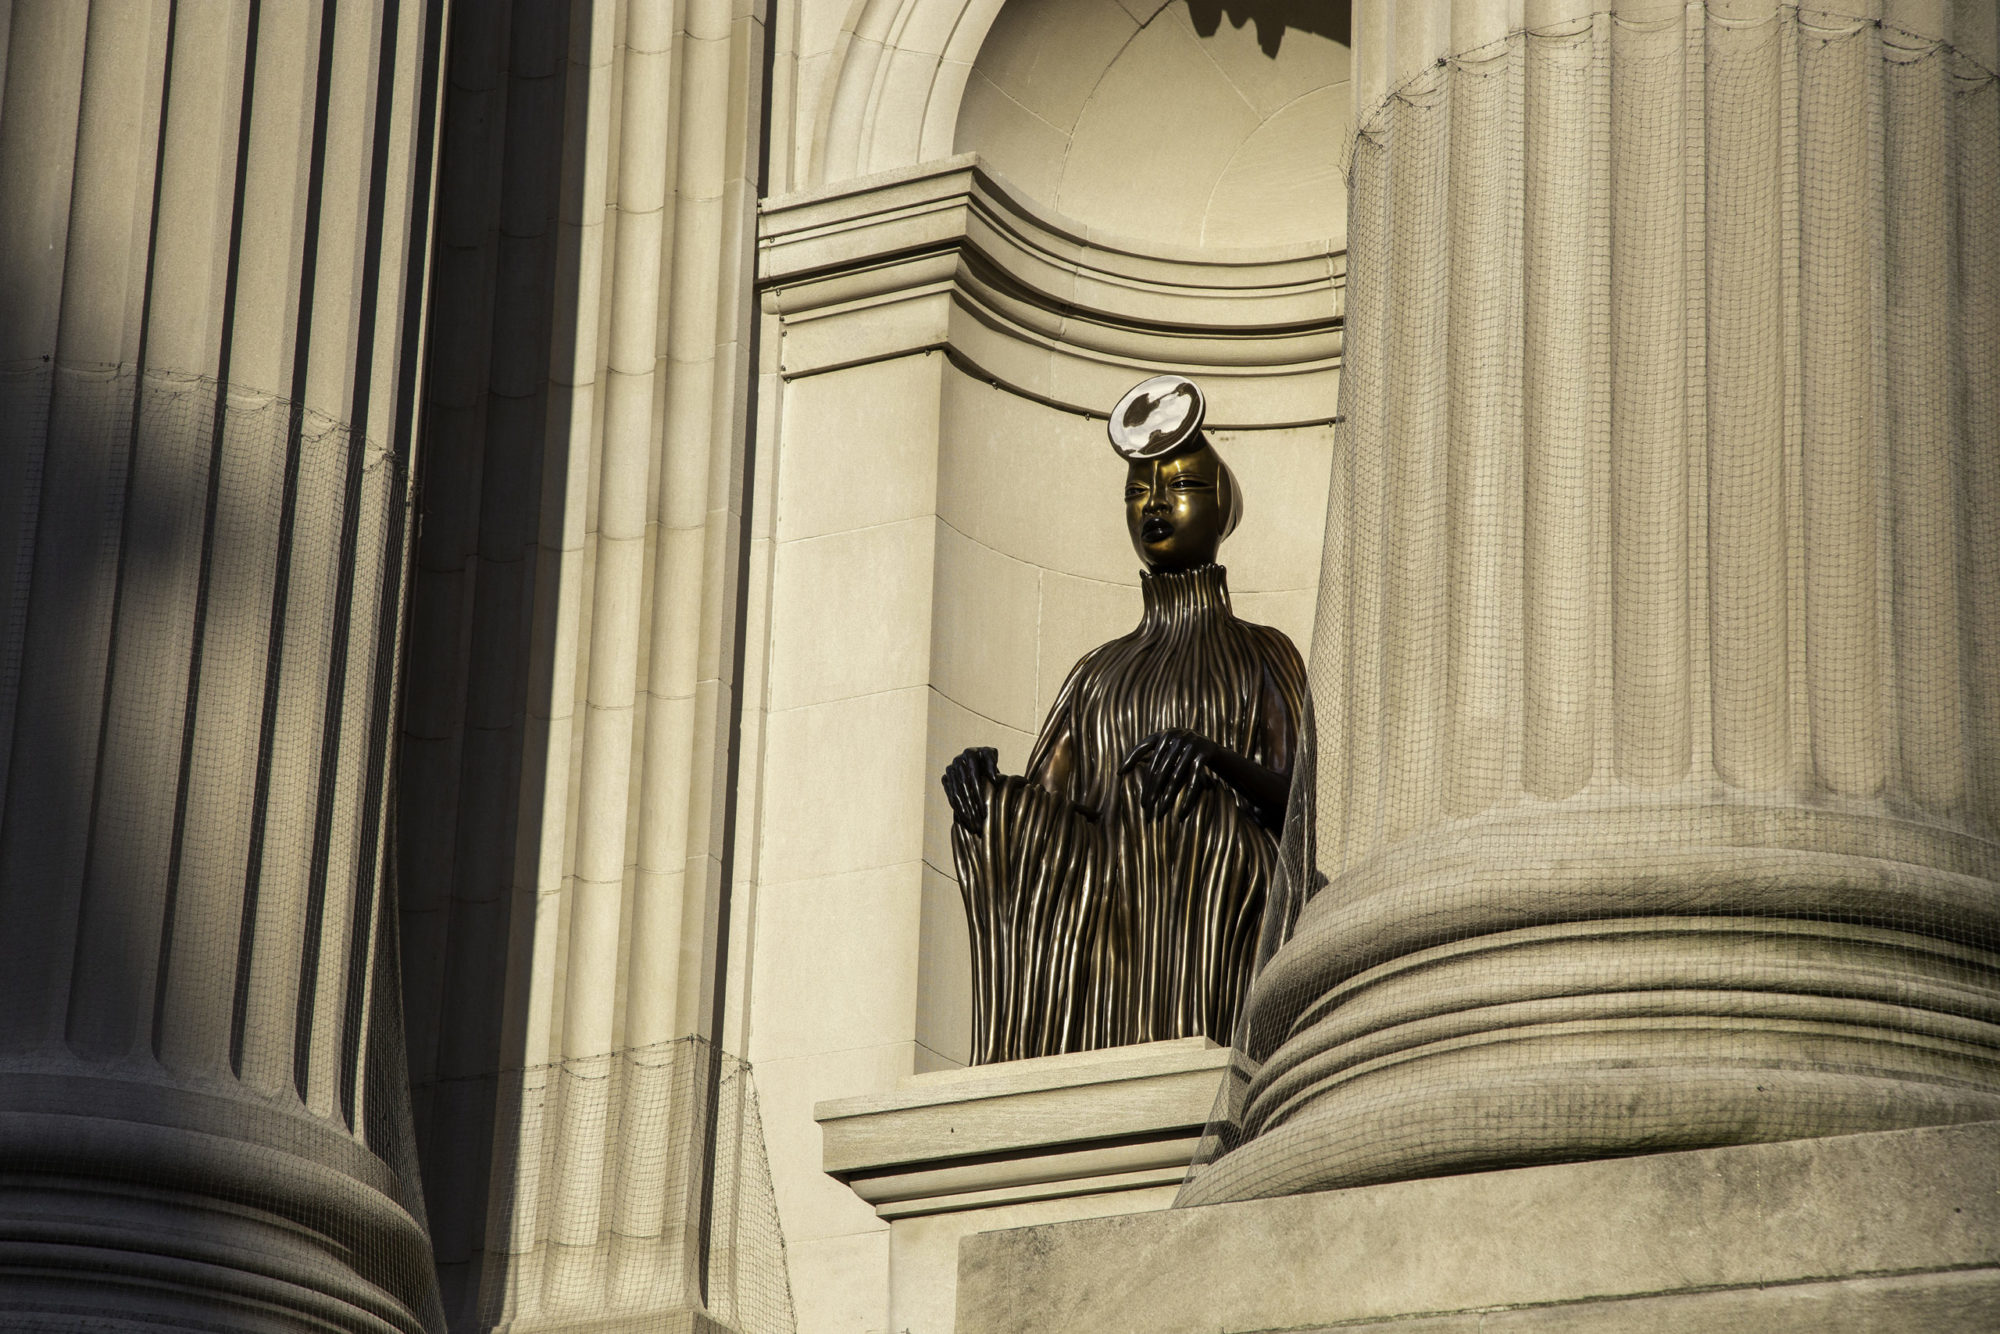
{"x":967,"y":782}
{"x":1172,"y":764}
{"x":1178,"y":765}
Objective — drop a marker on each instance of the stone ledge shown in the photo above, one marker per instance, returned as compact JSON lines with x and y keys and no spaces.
{"x":1125,"y":1118}
{"x":1895,"y":1230}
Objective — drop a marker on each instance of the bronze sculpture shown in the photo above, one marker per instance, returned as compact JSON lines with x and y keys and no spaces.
{"x":1114,"y":892}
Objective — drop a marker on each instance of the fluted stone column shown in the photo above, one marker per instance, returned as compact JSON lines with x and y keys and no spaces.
{"x":213,"y":219}
{"x":592,"y":1152}
{"x":1659,"y":772}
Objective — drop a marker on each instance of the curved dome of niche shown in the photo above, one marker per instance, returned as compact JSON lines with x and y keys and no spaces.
{"x":1215,"y":123}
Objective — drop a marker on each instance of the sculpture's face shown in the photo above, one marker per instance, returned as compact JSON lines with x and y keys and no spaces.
{"x":1175,"y":509}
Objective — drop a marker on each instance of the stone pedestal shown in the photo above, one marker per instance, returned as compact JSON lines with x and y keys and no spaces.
{"x":956,"y":1152}
{"x":1896,"y":1230}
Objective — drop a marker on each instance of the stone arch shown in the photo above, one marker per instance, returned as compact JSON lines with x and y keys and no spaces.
{"x":901,"y":67}
{"x":1213,"y":124}
{"x":1045,"y":92}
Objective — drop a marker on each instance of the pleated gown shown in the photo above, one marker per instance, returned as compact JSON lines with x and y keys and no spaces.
{"x":1093,"y":923}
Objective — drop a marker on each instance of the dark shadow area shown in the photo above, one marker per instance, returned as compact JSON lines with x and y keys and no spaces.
{"x":1274,"y":18}
{"x":470,"y":720}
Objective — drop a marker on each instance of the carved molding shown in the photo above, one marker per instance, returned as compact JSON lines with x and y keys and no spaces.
{"x":943,"y":256}
{"x":1055,"y":1127}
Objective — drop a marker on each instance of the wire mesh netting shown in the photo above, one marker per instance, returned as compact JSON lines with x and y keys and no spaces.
{"x":641,"y":1196}
{"x":1657,"y":661}
{"x":203,"y":1045}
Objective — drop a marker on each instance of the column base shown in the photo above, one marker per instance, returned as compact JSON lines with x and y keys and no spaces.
{"x":153,"y":1206}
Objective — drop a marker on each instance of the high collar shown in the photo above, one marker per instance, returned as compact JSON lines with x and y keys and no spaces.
{"x":1179,"y":596}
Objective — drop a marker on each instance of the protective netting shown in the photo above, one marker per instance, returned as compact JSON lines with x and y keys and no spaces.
{"x":1657,"y":660}
{"x":206,"y":1105}
{"x":640,"y":1196}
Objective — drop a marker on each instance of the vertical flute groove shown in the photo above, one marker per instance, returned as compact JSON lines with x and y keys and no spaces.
{"x":271,"y":933}
{"x":1977,"y":338}
{"x":338,"y":855}
{"x":1560,"y":523}
{"x":1363,"y":385}
{"x":1649,"y":520}
{"x":66,"y":665}
{"x":1414,"y":614}
{"x":1924,"y":502}
{"x":188,"y":999}
{"x":1485,"y":424}
{"x":40,"y":839}
{"x":1748,"y":589}
{"x":1844,"y":692}
{"x":675,"y":847}
{"x":118,"y":923}
{"x":596,"y":888}
{"x":640,"y":1190}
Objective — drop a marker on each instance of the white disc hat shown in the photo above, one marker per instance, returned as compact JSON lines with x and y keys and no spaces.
{"x":1157,"y":417}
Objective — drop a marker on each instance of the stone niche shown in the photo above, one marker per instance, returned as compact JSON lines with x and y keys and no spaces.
{"x":1069,"y":101}
{"x":949,"y":313}
{"x":943,"y":351}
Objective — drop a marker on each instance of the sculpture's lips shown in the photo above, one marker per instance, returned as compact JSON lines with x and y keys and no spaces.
{"x":1156,"y":530}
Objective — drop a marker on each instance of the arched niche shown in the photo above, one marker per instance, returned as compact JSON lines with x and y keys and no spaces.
{"x":1208,"y":123}
{"x":1243,"y":105}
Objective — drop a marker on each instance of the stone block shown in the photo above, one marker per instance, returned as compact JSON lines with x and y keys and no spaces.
{"x":822,"y":648}
{"x":998,"y":454}
{"x":842,"y":790}
{"x":1895,"y":1230}
{"x":983,"y":608}
{"x":811,"y":1205}
{"x":859,"y":447}
{"x":841,"y":1284}
{"x":846,"y":948}
{"x":944,"y":975}
{"x":923,"y":1248}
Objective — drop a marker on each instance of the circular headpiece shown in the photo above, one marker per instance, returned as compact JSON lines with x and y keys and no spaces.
{"x":1157,"y":417}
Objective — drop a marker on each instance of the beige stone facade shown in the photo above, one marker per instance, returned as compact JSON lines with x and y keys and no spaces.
{"x":507,"y":509}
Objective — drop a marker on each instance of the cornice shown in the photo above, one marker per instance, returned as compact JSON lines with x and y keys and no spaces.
{"x":945,"y":256}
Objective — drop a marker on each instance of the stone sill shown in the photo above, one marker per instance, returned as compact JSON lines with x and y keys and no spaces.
{"x":1085,"y":1123}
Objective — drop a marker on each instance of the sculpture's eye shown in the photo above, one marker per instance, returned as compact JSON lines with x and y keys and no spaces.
{"x":1134,"y":491}
{"x":1190,"y":482}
